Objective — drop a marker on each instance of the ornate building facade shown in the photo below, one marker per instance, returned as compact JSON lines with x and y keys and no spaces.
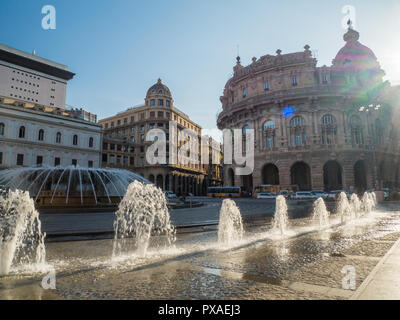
{"x":323,"y":127}
{"x":125,"y":143}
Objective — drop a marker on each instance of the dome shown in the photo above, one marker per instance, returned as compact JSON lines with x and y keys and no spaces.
{"x":159,"y":89}
{"x":354,"y":56}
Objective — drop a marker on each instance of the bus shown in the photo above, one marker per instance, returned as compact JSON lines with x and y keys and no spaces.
{"x":276,"y":189}
{"x":224,"y":192}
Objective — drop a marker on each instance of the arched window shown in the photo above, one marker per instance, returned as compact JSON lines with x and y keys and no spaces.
{"x":269,"y":134}
{"x":245,"y":129}
{"x":41,"y":135}
{"x":75,"y":140}
{"x":2,"y":129}
{"x":21,"y":132}
{"x":58,"y":137}
{"x":357,"y":136}
{"x":328,"y":129}
{"x":91,"y":142}
{"x":298,"y":135}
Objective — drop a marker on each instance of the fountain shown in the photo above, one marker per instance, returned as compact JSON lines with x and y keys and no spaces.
{"x":367,"y":203}
{"x":55,"y":188}
{"x":281,"y":216}
{"x":21,"y":240}
{"x":142,"y":211}
{"x":320,"y":213}
{"x":230,"y":228}
{"x":344,"y":209}
{"x":355,"y":205}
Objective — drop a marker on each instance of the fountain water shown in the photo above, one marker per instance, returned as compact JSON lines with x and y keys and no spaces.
{"x":320,"y":213}
{"x":142,"y":211}
{"x":355,"y":205}
{"x":281,"y":216}
{"x":344,"y":209}
{"x":230,"y":228}
{"x":367,"y":203}
{"x":21,"y":240}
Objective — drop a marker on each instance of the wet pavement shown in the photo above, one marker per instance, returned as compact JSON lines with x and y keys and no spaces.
{"x":305,"y":264}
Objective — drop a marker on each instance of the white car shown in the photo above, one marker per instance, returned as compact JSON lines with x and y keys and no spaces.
{"x":266,"y":196}
{"x":319,"y":194}
{"x":304,"y":195}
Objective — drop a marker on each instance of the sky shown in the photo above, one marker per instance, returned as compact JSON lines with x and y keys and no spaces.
{"x":118,"y":49}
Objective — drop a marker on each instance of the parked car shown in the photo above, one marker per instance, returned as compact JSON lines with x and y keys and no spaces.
{"x":304,"y":195}
{"x":286,"y":193}
{"x":319,"y":194}
{"x":266,"y":196}
{"x":171,"y":198}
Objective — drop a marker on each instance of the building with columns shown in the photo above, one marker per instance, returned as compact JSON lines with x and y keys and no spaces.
{"x":125,"y":144}
{"x":330,"y":127}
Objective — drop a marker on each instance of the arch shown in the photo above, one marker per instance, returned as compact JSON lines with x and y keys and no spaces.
{"x":2,"y":129}
{"x":245,"y":128}
{"x":297,"y":121}
{"x":360,"y":176}
{"x":269,"y":124}
{"x":41,"y":135}
{"x":231,"y":177}
{"x":160,"y":181}
{"x":328,"y":119}
{"x":333,"y":176}
{"x":270,"y":174}
{"x":151,"y":178}
{"x":300,"y":175}
{"x":21,"y":133}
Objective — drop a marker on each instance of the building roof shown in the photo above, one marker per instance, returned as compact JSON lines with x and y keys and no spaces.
{"x":159,"y":89}
{"x":33,"y":62}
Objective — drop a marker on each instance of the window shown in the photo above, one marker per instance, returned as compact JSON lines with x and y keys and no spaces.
{"x":297,"y":131}
{"x":91,"y":142}
{"x":142,"y":127}
{"x":294,"y":81}
{"x":168,"y":103}
{"x":245,"y":129}
{"x":160,"y":114}
{"x":2,"y":129}
{"x":152,"y":114}
{"x":151,"y":126}
{"x":266,"y":86}
{"x":324,"y":79}
{"x":57,"y":161}
{"x":90,"y":164}
{"x":58,"y":137}
{"x":328,"y":130}
{"x":39,"y":160}
{"x":270,"y":124}
{"x":132,"y":119}
{"x":244,"y":93}
{"x":20,"y":159}
{"x":21,"y":132}
{"x":41,"y":135}
{"x":111,"y":159}
{"x":357,"y":135}
{"x":160,"y":102}
{"x":75,"y":140}
{"x":269,"y":134}
{"x":74,"y":162}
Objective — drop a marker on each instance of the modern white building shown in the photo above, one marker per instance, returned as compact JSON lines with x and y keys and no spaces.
{"x":35,"y":127}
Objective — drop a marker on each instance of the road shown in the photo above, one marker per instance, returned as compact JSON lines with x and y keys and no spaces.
{"x":74,"y":223}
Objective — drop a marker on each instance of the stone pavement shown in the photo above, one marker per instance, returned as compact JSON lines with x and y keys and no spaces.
{"x":383,"y":283}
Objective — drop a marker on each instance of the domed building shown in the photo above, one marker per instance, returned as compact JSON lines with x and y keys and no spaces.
{"x":315,"y":127}
{"x":125,"y":144}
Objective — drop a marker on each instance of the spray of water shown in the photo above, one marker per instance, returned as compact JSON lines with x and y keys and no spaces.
{"x":367,"y":203}
{"x":356,"y":205}
{"x":320,"y":213}
{"x":344,"y":209}
{"x":21,"y":240}
{"x":281,"y":215}
{"x":142,"y":213}
{"x":230,"y":227}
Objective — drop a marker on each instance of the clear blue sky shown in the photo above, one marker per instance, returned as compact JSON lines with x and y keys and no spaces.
{"x":119,"y":48}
